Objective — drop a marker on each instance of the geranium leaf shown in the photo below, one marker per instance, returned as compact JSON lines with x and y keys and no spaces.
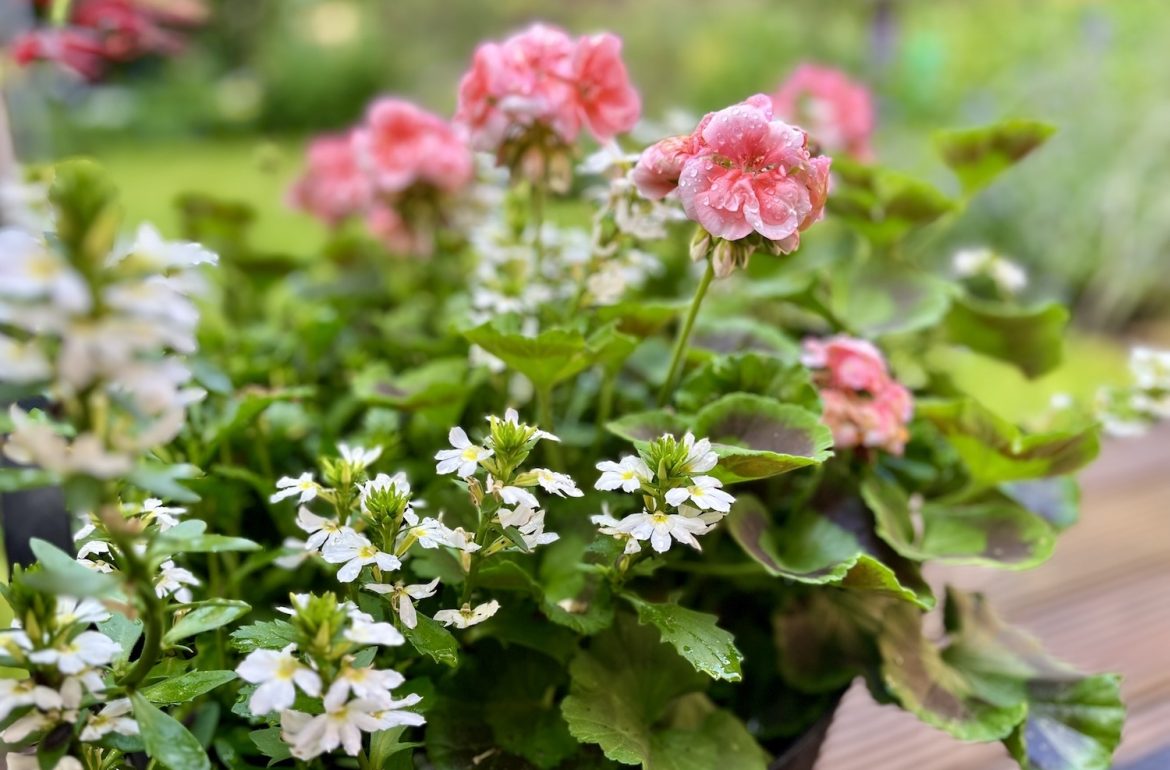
{"x":550,"y":357}
{"x":1032,"y":339}
{"x":979,"y":155}
{"x":1072,"y":724}
{"x":640,"y":319}
{"x":742,"y":335}
{"x":879,"y":298}
{"x":996,"y":451}
{"x":642,"y":427}
{"x":753,"y":373}
{"x":166,"y":740}
{"x":435,"y":383}
{"x":695,"y":635}
{"x":882,"y":205}
{"x":719,"y":740}
{"x":621,"y":687}
{"x":988,"y":529}
{"x":1057,"y":500}
{"x":524,"y":721}
{"x":757,"y":437}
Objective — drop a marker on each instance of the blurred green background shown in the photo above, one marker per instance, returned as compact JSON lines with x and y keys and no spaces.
{"x":1087,"y":214}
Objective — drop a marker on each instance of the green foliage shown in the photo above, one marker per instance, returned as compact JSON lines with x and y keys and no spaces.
{"x":884,"y":206}
{"x":695,"y":635}
{"x":205,"y":616}
{"x":166,"y":740}
{"x":186,"y":687}
{"x":1030,"y":339}
{"x":59,"y":573}
{"x":979,"y":155}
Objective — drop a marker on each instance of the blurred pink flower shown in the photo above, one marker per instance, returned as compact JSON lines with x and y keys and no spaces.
{"x":543,"y":77}
{"x":863,"y":404}
{"x":401,"y":145}
{"x":333,"y":186}
{"x":837,"y":112}
{"x":387,"y":225}
{"x":78,"y":51}
{"x":741,"y":171}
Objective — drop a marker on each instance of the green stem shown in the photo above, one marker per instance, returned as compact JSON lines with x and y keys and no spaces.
{"x":544,"y":413}
{"x":59,"y":12}
{"x":684,"y":334}
{"x":536,"y":204}
{"x":152,"y":615}
{"x":604,"y":404}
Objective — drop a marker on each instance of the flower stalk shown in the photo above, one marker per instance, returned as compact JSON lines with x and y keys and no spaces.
{"x":684,"y":335}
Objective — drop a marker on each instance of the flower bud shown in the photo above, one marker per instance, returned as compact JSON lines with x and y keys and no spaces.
{"x":560,"y":171}
{"x":700,"y":245}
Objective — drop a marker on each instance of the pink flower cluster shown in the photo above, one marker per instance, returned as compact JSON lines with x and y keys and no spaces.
{"x":863,"y":404}
{"x":104,"y":31}
{"x":543,"y":78}
{"x":741,"y":171}
{"x":835,"y":110}
{"x":395,"y":170}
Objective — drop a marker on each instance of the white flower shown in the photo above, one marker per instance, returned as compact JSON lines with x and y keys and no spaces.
{"x":430,"y":533}
{"x":354,"y":551}
{"x":358,"y":457}
{"x":363,"y":629}
{"x":71,"y":610}
{"x":512,"y":417}
{"x":17,"y":693}
{"x":402,"y":596}
{"x":164,"y":516}
{"x":15,"y":761}
{"x":114,"y":717}
{"x":559,"y":484}
{"x":159,"y":254}
{"x":296,"y":553}
{"x":1008,"y":276}
{"x":705,"y":492}
{"x":302,"y":485}
{"x":607,"y":525}
{"x":22,"y":363}
{"x":172,"y":581}
{"x":278,"y":673}
{"x":36,"y":443}
{"x":659,"y":527}
{"x":366,"y":682}
{"x":512,"y":495}
{"x":628,"y":474}
{"x":30,"y":270}
{"x":466,"y":616}
{"x":383,"y":483}
{"x":1150,"y":368}
{"x":321,"y":530}
{"x":700,"y":458}
{"x":461,"y":539}
{"x":342,"y":724}
{"x":89,"y":648}
{"x":533,"y":532}
{"x":464,"y":458}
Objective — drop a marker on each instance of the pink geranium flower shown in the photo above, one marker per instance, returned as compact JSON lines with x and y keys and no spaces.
{"x":543,"y":78}
{"x":333,"y":187}
{"x":741,"y":171}
{"x":863,"y":404}
{"x":836,"y":111}
{"x":402,"y":145}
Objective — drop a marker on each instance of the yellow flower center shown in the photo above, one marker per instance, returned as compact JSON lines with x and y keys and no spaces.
{"x":287,"y":668}
{"x":471,"y":454}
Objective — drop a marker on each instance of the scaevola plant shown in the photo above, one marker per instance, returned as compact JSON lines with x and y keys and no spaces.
{"x":532,"y":489}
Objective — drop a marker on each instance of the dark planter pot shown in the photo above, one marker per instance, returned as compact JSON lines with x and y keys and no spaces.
{"x":803,"y":754}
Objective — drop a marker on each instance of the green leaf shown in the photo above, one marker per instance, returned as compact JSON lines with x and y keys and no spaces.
{"x":1072,"y":724}
{"x":550,"y":357}
{"x":757,"y":437}
{"x":206,"y":616}
{"x":16,"y":479}
{"x":621,"y":687}
{"x":720,"y":740}
{"x":640,"y":319}
{"x":386,"y":744}
{"x":825,"y":640}
{"x":263,"y":635}
{"x":587,"y":607}
{"x":186,"y":687}
{"x":166,"y":740}
{"x":882,"y":205}
{"x":122,"y":630}
{"x":435,"y":383}
{"x":524,"y":719}
{"x":1032,"y":339}
{"x":979,"y":155}
{"x":831,"y":542}
{"x":695,"y":635}
{"x":61,"y":574}
{"x":434,"y":641}
{"x":988,"y":529}
{"x":1057,"y":500}
{"x":743,"y":335}
{"x":787,"y":382}
{"x":244,"y":409}
{"x":879,"y":298}
{"x":187,"y":537}
{"x":642,"y":427}
{"x":996,"y":451}
{"x":163,"y":481}
{"x":610,"y":348}
{"x":270,"y":744}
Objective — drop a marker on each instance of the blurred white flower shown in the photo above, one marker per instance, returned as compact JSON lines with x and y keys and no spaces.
{"x":89,"y":648}
{"x":172,"y":581}
{"x":358,"y":457}
{"x":302,"y":485}
{"x":363,"y":629}
{"x":320,"y":529}
{"x":113,"y":718}
{"x":278,"y":674}
{"x":22,"y":363}
{"x":466,"y":616}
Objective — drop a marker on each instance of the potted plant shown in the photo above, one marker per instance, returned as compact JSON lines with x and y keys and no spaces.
{"x":301,"y":543}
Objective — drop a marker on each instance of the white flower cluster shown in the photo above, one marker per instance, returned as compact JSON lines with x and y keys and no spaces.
{"x":95,"y":547}
{"x":67,"y":663}
{"x":107,"y":337}
{"x":1130,"y":411}
{"x":1007,"y":276}
{"x":355,"y":700}
{"x":680,"y":502}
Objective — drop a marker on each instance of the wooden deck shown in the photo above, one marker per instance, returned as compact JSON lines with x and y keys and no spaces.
{"x":1101,"y":603}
